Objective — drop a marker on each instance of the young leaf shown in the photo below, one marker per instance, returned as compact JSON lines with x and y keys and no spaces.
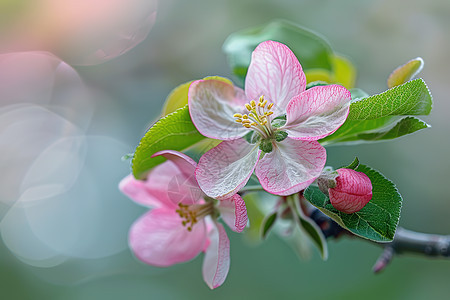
{"x":311,"y":229}
{"x":268,"y":223}
{"x":172,"y":132}
{"x":353,"y":165}
{"x":378,"y":220}
{"x":363,"y":131}
{"x":344,"y":71}
{"x":312,"y":50}
{"x":177,"y":98}
{"x":405,"y":72}
{"x":255,"y":216}
{"x":410,"y":98}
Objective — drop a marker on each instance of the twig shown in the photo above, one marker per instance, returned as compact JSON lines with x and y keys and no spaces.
{"x":405,"y":241}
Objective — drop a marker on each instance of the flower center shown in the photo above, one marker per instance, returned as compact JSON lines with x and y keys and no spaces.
{"x":258,"y":117}
{"x":191,"y":214}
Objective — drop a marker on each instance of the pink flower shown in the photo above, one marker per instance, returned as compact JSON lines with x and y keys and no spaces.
{"x":182,"y":222}
{"x":283,"y":151}
{"x":352,"y":192}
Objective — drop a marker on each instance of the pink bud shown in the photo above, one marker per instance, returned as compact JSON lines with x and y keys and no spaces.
{"x":352,"y":192}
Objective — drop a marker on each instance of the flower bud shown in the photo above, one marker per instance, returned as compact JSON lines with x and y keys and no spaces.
{"x":352,"y":192}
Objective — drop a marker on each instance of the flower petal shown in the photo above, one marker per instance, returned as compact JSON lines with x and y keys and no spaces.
{"x":212,"y":104}
{"x":317,"y":112}
{"x":291,"y":167}
{"x":183,"y":187}
{"x":224,"y":169}
{"x":145,"y":192}
{"x":158,"y":238}
{"x":234,"y":213}
{"x":276,"y":73}
{"x":217,"y":258}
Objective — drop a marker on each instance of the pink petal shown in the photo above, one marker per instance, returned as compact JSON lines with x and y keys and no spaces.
{"x":317,"y":112}
{"x":224,"y":169}
{"x":212,"y":104}
{"x":217,"y":258}
{"x":274,"y":72}
{"x":158,"y":238}
{"x":234,"y":213}
{"x":183,"y":187}
{"x":140,"y":192}
{"x":291,"y":167}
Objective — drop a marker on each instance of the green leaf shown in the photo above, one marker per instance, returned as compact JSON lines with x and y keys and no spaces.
{"x":405,"y":72}
{"x":268,"y":223}
{"x":310,"y":227}
{"x":364,"y":131}
{"x":378,"y":220}
{"x":353,"y":165}
{"x":312,"y":50}
{"x":410,"y":98}
{"x":172,"y":132}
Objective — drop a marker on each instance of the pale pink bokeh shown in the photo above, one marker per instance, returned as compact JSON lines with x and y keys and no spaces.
{"x":81,"y":32}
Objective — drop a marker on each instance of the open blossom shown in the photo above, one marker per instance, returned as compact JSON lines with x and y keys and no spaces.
{"x":352,"y":192}
{"x":272,"y":128}
{"x":182,"y":222}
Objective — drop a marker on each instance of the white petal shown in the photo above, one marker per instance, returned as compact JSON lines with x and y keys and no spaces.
{"x":274,"y":72}
{"x":291,"y":167}
{"x":224,"y":169}
{"x":212,"y":104}
{"x":317,"y":112}
{"x":217,"y":257}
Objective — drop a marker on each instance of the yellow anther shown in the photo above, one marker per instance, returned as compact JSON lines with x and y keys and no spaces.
{"x":239,"y":120}
{"x":253,"y":124}
{"x":261,"y":99}
{"x":244,"y":117}
{"x":253,"y":103}
{"x":270,"y":106}
{"x":248,"y":107}
{"x":264,"y":122}
{"x":268,"y":113}
{"x":264,"y":103}
{"x":237,"y":115}
{"x":246,"y":121}
{"x":247,"y":125}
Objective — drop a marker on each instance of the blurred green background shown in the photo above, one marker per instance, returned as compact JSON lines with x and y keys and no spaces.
{"x":185,"y":44}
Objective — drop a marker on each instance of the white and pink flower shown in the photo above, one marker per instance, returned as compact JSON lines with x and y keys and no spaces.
{"x":272,"y":128}
{"x":183,"y":221}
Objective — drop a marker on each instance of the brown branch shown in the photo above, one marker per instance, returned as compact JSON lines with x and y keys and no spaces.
{"x":404,"y":242}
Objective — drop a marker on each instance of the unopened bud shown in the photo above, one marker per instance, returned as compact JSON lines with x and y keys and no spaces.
{"x":352,"y":192}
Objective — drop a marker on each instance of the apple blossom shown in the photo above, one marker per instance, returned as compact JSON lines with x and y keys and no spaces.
{"x":272,"y":128}
{"x":183,"y":221}
{"x":352,"y":192}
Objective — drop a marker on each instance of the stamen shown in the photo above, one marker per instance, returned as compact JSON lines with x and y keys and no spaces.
{"x":191,"y":214}
{"x":257,"y":117}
